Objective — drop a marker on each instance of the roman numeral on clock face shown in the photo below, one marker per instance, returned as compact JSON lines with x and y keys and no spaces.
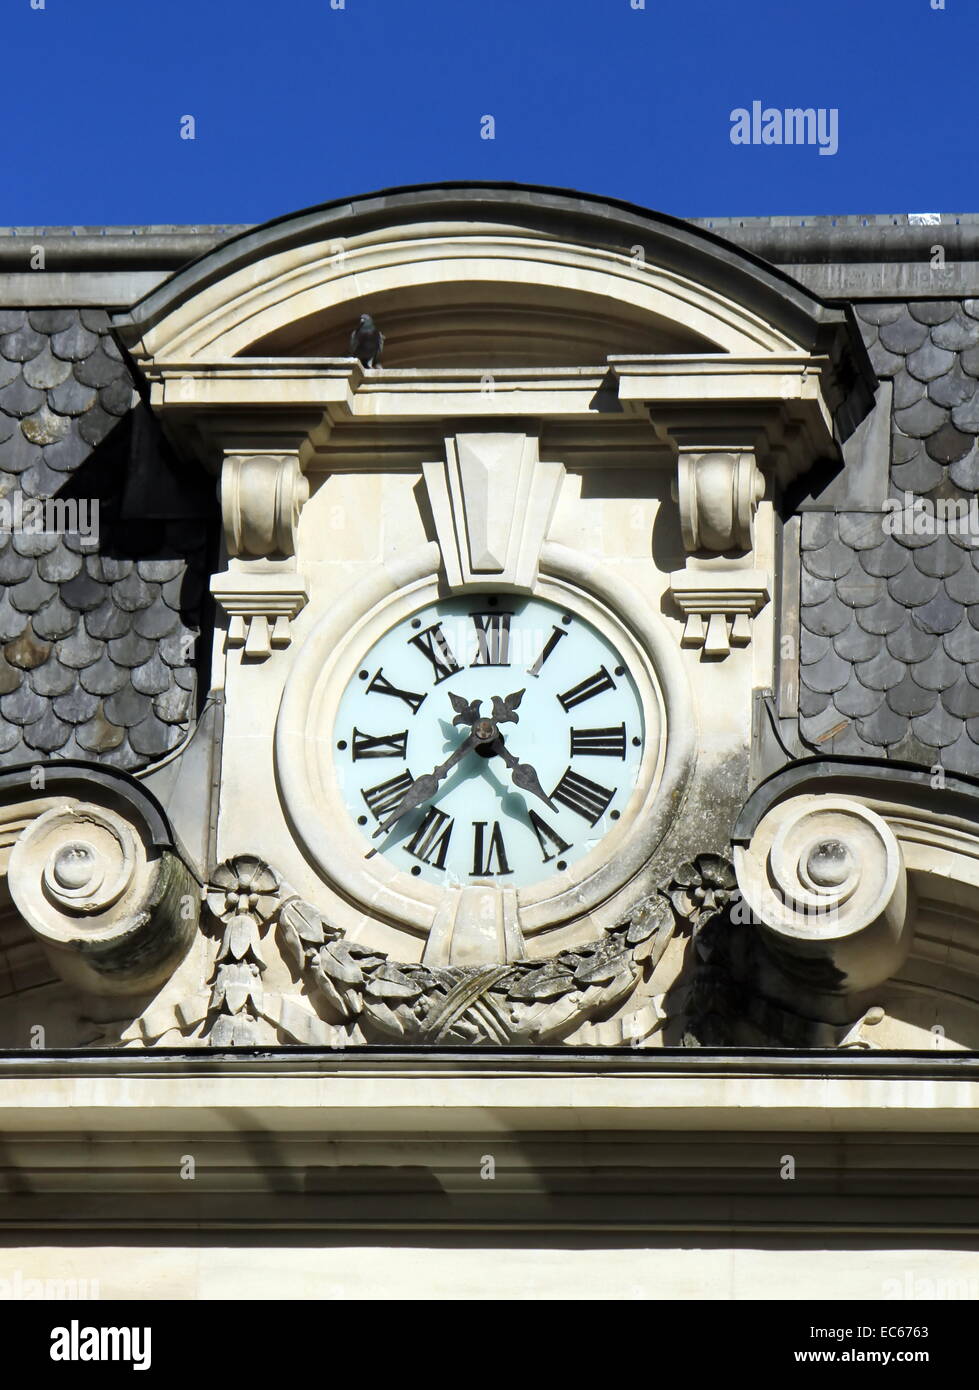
{"x":430,"y":842}
{"x":587,"y":689}
{"x":386,"y":795}
{"x":598,"y":743}
{"x":587,"y":799}
{"x":552,"y":641}
{"x":484,"y":855}
{"x":433,"y":644}
{"x":493,"y":639}
{"x":545,"y":835}
{"x":379,"y":746}
{"x":380,"y":685}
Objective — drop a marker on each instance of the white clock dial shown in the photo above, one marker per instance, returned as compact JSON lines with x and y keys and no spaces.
{"x":522,"y":798}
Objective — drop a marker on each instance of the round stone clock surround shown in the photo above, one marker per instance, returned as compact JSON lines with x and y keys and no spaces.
{"x":333,"y":654}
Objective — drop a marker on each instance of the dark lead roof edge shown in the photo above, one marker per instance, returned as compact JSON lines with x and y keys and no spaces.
{"x":688,"y":250}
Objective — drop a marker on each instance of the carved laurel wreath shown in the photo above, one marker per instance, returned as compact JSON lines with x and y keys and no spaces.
{"x":374,"y":999}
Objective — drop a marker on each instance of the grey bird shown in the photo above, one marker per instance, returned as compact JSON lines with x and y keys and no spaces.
{"x":367,"y":342}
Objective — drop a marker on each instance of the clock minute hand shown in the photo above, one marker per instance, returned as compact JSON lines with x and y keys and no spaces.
{"x":524,"y":776}
{"x":422,"y":788}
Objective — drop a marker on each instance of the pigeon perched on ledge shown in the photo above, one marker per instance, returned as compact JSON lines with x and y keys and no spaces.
{"x":366,"y":342}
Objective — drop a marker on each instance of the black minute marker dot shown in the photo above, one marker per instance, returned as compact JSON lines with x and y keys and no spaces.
{"x":415,"y":870}
{"x":620,"y":670}
{"x":614,"y":815}
{"x":636,"y":742}
{"x":361,"y":820}
{"x":363,"y":675}
{"x":416,"y":622}
{"x":342,"y":744}
{"x":562,"y":864}
{"x":566,"y":618}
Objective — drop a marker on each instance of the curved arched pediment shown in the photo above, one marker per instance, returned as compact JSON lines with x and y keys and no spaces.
{"x":477,"y":276}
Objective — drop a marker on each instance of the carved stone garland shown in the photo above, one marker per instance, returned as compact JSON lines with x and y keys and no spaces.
{"x":373,"y":999}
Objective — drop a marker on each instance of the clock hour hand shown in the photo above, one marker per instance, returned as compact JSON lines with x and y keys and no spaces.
{"x":422,"y":789}
{"x":524,"y":776}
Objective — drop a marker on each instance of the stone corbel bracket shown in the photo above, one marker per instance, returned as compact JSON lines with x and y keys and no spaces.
{"x":492,"y":501}
{"x":825,"y":879}
{"x":262,"y":495}
{"x":719,"y":606}
{"x":718,"y":494}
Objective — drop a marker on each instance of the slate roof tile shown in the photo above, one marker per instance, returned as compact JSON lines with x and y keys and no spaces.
{"x":963,"y":587}
{"x":46,"y":371}
{"x":908,"y":390}
{"x":53,"y":679}
{"x":911,"y":588}
{"x":79,"y":650}
{"x":949,"y":444}
{"x":106,"y":620}
{"x":920,"y":420}
{"x":929,"y":362}
{"x":961,"y":699}
{"x":881,"y":671}
{"x":936,"y":672}
{"x":904,"y":335}
{"x":957,"y":333}
{"x":58,"y":565}
{"x":940,"y":558}
{"x":883,"y":727}
{"x":100,"y":735}
{"x":910,"y":698}
{"x":103,"y":677}
{"x":99,"y":369}
{"x":152,"y":738}
{"x":27,"y":650}
{"x":70,"y":397}
{"x":962,"y":643}
{"x":854,"y":644}
{"x":75,"y":343}
{"x":157,"y":621}
{"x":76,"y":706}
{"x":83,"y":593}
{"x":56,"y":620}
{"x":31,"y":593}
{"x":940,"y":614}
{"x":153,"y":677}
{"x":955,"y":388}
{"x":23,"y":706}
{"x":855,"y":699}
{"x":96,"y":425}
{"x":47,"y":733}
{"x":44,"y":427}
{"x":932,"y":311}
{"x":882,"y":617}
{"x":937,"y":728}
{"x":18,"y":399}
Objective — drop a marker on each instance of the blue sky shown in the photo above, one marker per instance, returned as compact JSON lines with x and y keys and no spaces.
{"x":297,"y":103}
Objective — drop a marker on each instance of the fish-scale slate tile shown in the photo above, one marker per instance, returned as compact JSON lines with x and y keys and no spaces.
{"x":78,"y":629}
{"x":914,"y":652}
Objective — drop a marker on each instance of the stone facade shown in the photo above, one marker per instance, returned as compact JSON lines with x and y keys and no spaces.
{"x":716,"y":467}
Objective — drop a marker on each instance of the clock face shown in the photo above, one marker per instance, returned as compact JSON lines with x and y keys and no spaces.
{"x":488,"y":739}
